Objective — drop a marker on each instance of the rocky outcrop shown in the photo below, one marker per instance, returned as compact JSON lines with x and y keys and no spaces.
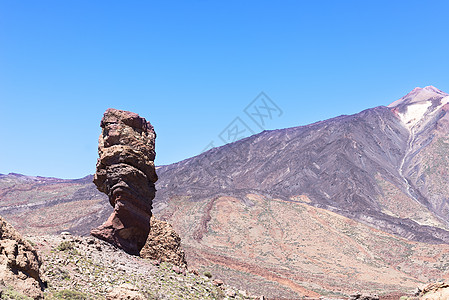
{"x":163,"y":244}
{"x":19,"y":264}
{"x":360,"y":296}
{"x":126,"y":173}
{"x":435,"y":291}
{"x":125,"y":291}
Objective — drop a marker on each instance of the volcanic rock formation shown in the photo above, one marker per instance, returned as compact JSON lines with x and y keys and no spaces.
{"x":163,"y":244}
{"x":126,"y":173}
{"x":19,"y":264}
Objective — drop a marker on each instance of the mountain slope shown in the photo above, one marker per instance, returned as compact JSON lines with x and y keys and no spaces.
{"x":342,"y":164}
{"x":425,"y":164}
{"x":384,"y":167}
{"x":39,"y":205}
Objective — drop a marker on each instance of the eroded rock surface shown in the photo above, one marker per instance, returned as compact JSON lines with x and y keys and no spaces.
{"x":163,"y":244}
{"x":126,"y":173}
{"x":435,"y":291}
{"x":19,"y":264}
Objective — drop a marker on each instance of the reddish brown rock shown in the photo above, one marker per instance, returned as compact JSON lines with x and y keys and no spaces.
{"x":126,"y":173}
{"x":164,"y":244}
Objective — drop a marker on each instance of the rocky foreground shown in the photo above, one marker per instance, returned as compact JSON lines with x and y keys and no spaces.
{"x":75,"y":267}
{"x":87,"y":268}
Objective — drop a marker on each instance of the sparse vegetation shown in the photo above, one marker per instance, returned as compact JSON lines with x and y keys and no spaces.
{"x":10,"y":294}
{"x":64,"y":246}
{"x":67,"y":295}
{"x":208,"y":274}
{"x":77,"y":269}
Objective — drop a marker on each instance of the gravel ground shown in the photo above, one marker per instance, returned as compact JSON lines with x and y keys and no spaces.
{"x":87,"y":268}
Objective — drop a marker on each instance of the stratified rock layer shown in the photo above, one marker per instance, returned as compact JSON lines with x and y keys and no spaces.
{"x":164,"y":244}
{"x":19,"y":264}
{"x":126,"y":173}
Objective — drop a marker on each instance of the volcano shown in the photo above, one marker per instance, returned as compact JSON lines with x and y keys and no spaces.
{"x":357,"y":202}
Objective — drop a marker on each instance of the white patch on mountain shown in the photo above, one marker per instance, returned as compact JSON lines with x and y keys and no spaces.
{"x":414,"y":113}
{"x":416,"y":106}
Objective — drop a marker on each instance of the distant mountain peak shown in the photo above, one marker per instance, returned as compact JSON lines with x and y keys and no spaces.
{"x":434,"y":89}
{"x":419,"y":94}
{"x":414,"y":107}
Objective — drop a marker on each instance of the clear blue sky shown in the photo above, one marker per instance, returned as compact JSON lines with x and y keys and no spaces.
{"x":191,"y":67}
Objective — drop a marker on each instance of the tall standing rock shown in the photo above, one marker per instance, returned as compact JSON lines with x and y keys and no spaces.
{"x":126,"y":173}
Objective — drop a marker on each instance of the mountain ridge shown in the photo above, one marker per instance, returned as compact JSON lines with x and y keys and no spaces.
{"x":392,"y":168}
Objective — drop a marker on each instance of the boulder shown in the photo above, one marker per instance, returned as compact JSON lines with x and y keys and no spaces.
{"x":126,"y":173}
{"x":19,"y":264}
{"x":435,"y":291}
{"x":125,"y":291}
{"x":163,"y":244}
